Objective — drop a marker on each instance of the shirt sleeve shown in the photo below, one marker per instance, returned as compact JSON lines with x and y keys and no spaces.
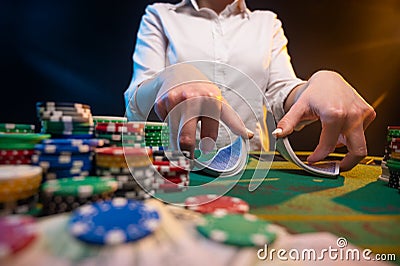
{"x":282,"y":78}
{"x":148,"y":60}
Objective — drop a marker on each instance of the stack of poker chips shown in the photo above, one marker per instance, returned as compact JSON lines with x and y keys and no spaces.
{"x":65,"y":119}
{"x":61,"y":158}
{"x":19,"y":187}
{"x":67,"y":194}
{"x":393,"y":156}
{"x":157,"y":135}
{"x":172,"y":170}
{"x":118,"y":133}
{"x":131,"y":167}
{"x":17,"y":142}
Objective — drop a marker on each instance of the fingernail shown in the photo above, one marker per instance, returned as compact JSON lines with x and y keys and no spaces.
{"x":277,"y":132}
{"x":250,"y":134}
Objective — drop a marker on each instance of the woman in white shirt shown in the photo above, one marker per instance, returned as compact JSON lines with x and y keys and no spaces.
{"x":192,"y":58}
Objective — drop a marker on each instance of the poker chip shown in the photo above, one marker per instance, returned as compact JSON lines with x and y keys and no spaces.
{"x":79,"y":186}
{"x":52,"y":204}
{"x":61,"y":161}
{"x":57,"y":149}
{"x":212,"y":203}
{"x":74,"y":142}
{"x":16,"y":128}
{"x":28,"y":138}
{"x":16,"y":152}
{"x":16,"y":233}
{"x":113,"y":222}
{"x":108,"y":119}
{"x":236,"y":229}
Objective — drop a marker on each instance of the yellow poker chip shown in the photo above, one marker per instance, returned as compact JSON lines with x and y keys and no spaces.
{"x":12,"y":172}
{"x":19,"y":178}
{"x":22,"y":184}
{"x":10,"y":197}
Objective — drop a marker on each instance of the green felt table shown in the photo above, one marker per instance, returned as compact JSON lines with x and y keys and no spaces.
{"x":355,"y":205}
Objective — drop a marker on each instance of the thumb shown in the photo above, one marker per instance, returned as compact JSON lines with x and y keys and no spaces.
{"x":289,"y":121}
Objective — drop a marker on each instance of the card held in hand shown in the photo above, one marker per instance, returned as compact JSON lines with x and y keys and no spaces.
{"x":227,"y":161}
{"x":323,"y":169}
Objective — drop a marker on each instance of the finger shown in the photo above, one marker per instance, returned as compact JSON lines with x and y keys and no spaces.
{"x":187,"y":136}
{"x":233,"y":121}
{"x":209,"y":129}
{"x":370,"y":117}
{"x":328,"y":140}
{"x":357,"y":149}
{"x":160,"y":108}
{"x":288,"y":122}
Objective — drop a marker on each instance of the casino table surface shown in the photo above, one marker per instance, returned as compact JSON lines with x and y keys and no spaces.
{"x":355,"y":206}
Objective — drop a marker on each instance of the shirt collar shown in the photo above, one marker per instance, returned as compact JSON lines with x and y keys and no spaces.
{"x":237,"y":6}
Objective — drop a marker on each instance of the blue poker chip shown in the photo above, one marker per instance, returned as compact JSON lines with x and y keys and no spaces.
{"x":113,"y":221}
{"x":61,"y":161}
{"x":75,"y":142}
{"x":58,"y":149}
{"x":72,"y":136}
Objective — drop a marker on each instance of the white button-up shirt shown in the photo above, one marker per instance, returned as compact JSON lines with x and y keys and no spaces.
{"x":235,"y":41}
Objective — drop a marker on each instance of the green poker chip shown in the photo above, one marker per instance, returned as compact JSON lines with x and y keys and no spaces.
{"x":79,"y":186}
{"x":393,"y":164}
{"x":109,"y":119}
{"x":236,"y":229}
{"x":15,"y":138}
{"x":10,"y":126}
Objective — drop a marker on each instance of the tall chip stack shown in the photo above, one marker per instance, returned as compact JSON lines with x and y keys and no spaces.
{"x":110,"y":129}
{"x":19,"y":187}
{"x":17,"y":142}
{"x":157,"y":135}
{"x":70,"y":150}
{"x":172,"y":170}
{"x":393,"y":161}
{"x":131,"y":167}
{"x":66,"y":119}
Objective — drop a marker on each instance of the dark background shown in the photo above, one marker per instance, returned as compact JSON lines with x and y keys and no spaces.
{"x":81,"y":51}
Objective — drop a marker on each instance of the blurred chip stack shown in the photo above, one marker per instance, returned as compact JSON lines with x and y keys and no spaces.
{"x":19,"y":187}
{"x":157,"y":135}
{"x":172,"y":170}
{"x":117,"y":132}
{"x":66,"y":194}
{"x":17,"y":142}
{"x":393,"y":156}
{"x":131,"y":167}
{"x":110,"y":129}
{"x":65,"y":119}
{"x":61,"y":158}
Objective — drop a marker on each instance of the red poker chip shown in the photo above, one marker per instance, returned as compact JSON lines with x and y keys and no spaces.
{"x":15,"y":157}
{"x":16,"y":152}
{"x":16,"y":233}
{"x":16,"y":161}
{"x":393,"y":127}
{"x":213,"y":204}
{"x":130,"y":127}
{"x":127,"y":151}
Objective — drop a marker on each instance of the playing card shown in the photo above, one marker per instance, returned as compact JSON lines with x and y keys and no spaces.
{"x":228,"y":161}
{"x":324,"y":169}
